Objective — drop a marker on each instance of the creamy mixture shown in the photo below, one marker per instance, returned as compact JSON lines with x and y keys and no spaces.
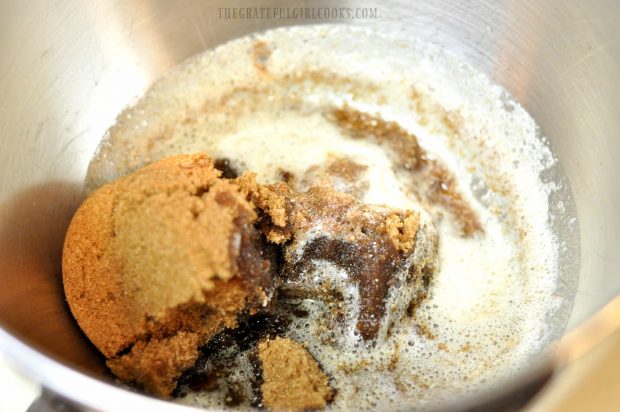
{"x":265,"y":103}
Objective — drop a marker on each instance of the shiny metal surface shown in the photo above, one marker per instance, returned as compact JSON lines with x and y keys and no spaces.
{"x":68,"y":67}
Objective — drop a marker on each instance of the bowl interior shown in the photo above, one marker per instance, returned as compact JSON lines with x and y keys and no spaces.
{"x":68,"y":70}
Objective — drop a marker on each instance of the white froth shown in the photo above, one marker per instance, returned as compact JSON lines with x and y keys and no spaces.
{"x":489,"y":301}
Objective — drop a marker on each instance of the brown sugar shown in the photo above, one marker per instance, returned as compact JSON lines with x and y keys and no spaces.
{"x":371,"y":243}
{"x":157,"y":262}
{"x":291,"y":212}
{"x":292,"y":379}
{"x":401,"y":229}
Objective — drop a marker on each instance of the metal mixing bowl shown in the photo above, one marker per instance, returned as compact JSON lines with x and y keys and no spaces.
{"x":67,"y":68}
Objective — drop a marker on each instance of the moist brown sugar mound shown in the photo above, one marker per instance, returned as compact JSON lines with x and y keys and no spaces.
{"x":381,"y":250}
{"x":292,"y":378}
{"x":158,"y":262}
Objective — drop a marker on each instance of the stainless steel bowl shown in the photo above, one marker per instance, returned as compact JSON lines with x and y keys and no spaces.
{"x":68,"y":67}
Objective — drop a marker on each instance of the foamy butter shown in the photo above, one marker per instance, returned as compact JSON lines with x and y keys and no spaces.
{"x":264,"y":108}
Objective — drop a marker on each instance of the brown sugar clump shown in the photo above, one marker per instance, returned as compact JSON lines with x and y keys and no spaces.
{"x":157,"y":262}
{"x":373,"y":244}
{"x":292,"y":379}
{"x":403,"y":229}
{"x":274,"y":201}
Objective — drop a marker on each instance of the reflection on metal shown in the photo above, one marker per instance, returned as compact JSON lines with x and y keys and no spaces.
{"x":586,"y":337}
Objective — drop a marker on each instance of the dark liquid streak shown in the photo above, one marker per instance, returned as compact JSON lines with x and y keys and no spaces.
{"x":370,"y":265}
